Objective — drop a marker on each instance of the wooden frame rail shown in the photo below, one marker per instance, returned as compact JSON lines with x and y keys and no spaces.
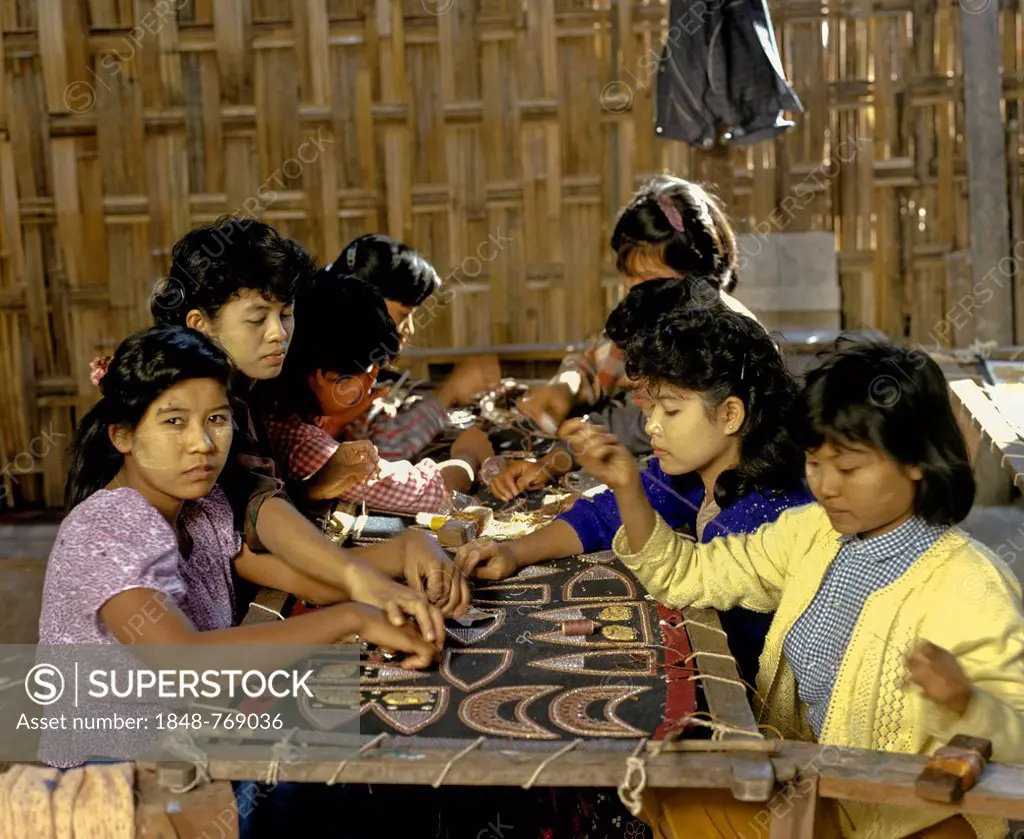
{"x":844,"y":774}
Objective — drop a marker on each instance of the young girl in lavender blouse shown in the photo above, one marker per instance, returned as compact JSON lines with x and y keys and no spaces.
{"x":893,"y":630}
{"x":719,"y":391}
{"x":148,"y":530}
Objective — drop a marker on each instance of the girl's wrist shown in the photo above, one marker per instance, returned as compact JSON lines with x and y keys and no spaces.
{"x":559,"y":461}
{"x":517,"y":551}
{"x":631,"y":490}
{"x":518,"y":560}
{"x":352,"y":567}
{"x":534,"y":547}
{"x":491,"y":467}
{"x":348,"y":618}
{"x":961,"y":700}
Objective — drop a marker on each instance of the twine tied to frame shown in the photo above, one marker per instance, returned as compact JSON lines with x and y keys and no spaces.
{"x":631,"y":790}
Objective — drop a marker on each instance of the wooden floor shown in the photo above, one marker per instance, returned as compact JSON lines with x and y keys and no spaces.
{"x":23,"y":552}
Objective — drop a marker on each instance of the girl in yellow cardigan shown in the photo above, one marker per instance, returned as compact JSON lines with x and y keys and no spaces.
{"x":893,"y":630}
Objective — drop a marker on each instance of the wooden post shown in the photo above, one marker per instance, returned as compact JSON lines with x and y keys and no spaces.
{"x":753,"y":777}
{"x":794,"y":817}
{"x":991,"y":271}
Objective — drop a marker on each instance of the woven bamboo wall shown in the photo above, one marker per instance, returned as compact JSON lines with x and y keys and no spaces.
{"x":498,"y":136}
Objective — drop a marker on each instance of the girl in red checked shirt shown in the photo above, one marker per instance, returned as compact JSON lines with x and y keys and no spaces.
{"x":326,"y":385}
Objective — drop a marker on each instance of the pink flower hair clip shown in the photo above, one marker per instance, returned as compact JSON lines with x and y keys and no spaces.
{"x":98,"y":368}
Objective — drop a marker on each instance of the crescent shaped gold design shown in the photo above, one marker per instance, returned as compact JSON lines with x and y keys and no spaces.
{"x":480,"y":712}
{"x":569,"y":711}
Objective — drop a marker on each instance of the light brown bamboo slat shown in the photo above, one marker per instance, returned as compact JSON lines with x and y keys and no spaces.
{"x":499,"y":137}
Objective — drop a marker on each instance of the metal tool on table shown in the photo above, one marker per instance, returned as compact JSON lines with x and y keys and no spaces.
{"x":545,"y":427}
{"x":345,"y":520}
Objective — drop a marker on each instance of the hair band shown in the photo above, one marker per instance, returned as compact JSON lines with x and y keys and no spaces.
{"x":671,"y":212}
{"x":350,"y":257}
{"x":98,"y":368}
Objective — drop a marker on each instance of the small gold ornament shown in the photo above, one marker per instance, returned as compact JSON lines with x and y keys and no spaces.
{"x":619,"y":633}
{"x":615,"y":613}
{"x":344,"y":670}
{"x":333,"y":695}
{"x":408,"y":697}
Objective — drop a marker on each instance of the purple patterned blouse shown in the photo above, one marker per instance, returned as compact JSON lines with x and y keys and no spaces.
{"x":115,"y":541}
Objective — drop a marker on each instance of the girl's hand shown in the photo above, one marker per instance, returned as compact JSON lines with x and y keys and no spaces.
{"x":470,"y":378}
{"x":518,"y":477}
{"x":430,"y":572}
{"x":373,"y":626}
{"x":349,"y":466}
{"x":370,"y":586}
{"x":554,"y":400}
{"x":937,"y":672}
{"x":486,"y":559}
{"x":601,"y":454}
{"x":359,"y":460}
{"x":472,"y":445}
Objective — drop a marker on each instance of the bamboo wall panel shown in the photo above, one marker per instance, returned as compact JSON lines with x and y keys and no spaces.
{"x":498,"y":136}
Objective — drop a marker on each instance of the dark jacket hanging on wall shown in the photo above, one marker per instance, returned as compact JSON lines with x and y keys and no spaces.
{"x":721,"y":66}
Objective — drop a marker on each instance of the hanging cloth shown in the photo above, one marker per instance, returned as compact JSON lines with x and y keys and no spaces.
{"x":720,"y":74}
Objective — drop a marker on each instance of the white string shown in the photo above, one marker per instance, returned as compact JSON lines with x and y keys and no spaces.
{"x":202,"y":777}
{"x":279,"y":748}
{"x":181,"y":744}
{"x":683,"y":623}
{"x":266,"y":609}
{"x":720,"y":729}
{"x":341,"y":766}
{"x":631,"y":791}
{"x":447,"y":767}
{"x":706,"y":654}
{"x":544,"y":763}
{"x":728,"y":681}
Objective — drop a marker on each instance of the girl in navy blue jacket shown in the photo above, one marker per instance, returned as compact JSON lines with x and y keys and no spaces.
{"x":722,"y":463}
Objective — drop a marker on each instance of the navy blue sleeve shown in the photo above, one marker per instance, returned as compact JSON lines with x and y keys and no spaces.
{"x":596,"y":520}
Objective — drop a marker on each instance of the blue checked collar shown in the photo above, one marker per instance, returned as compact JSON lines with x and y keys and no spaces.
{"x":913,"y":538}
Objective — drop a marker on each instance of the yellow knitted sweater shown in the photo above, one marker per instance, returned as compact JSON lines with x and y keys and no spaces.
{"x":957,"y":595}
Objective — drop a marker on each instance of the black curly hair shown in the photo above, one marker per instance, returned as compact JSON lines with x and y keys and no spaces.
{"x":144,"y":365}
{"x":211,"y":265}
{"x":706,"y":246}
{"x":669,"y":337}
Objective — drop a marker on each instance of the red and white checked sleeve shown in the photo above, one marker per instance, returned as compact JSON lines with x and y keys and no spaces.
{"x":401,"y":487}
{"x":410,"y":431}
{"x":596,"y":372}
{"x":302,"y":450}
{"x":299,"y":449}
